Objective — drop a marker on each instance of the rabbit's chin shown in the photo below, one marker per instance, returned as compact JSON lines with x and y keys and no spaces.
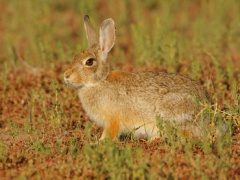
{"x":79,"y":86}
{"x":72,"y":85}
{"x":75,"y":86}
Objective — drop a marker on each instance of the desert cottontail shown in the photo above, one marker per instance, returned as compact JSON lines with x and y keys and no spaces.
{"x":121,"y":102}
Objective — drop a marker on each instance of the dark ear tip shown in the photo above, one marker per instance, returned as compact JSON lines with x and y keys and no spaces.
{"x":86,"y":18}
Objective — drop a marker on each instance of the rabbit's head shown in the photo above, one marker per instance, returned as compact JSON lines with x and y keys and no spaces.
{"x":90,"y":66}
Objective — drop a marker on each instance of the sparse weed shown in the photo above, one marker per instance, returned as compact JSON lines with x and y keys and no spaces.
{"x":105,"y":158}
{"x":3,"y":152}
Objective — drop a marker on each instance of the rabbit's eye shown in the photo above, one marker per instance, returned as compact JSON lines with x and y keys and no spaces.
{"x":89,"y":62}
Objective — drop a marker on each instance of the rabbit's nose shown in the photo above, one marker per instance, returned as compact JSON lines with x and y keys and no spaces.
{"x":67,"y":74}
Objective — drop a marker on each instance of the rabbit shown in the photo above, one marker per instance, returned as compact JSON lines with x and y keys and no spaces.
{"x":122,"y":102}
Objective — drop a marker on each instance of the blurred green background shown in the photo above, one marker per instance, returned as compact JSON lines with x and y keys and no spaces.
{"x":41,"y":32}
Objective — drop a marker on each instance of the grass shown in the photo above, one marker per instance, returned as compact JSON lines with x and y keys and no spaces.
{"x":44,"y":132}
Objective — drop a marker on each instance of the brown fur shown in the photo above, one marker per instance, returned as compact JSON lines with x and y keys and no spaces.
{"x":117,"y":76}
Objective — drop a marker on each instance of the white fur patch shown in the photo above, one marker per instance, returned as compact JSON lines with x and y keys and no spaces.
{"x":146,"y":131}
{"x":89,"y":85}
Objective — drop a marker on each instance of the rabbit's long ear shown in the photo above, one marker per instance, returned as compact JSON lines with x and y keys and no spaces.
{"x":107,"y":36}
{"x":90,"y":32}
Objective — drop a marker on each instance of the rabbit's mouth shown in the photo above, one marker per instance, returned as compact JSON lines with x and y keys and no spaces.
{"x":73,"y":85}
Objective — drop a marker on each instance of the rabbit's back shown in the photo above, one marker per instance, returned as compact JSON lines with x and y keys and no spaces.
{"x":174,"y":97}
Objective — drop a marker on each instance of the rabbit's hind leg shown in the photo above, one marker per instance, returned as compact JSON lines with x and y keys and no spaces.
{"x":147,"y":131}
